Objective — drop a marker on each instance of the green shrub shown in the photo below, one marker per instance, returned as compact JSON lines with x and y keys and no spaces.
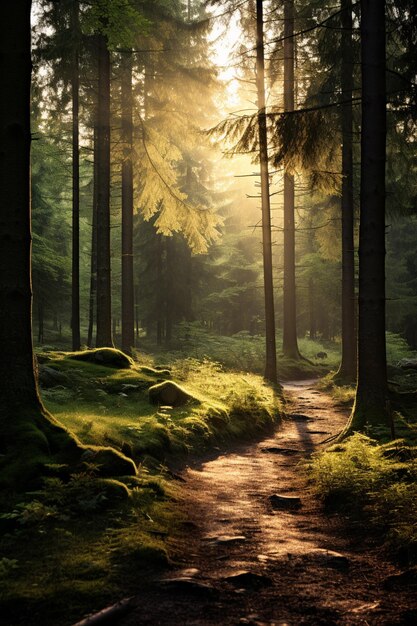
{"x":373,"y":483}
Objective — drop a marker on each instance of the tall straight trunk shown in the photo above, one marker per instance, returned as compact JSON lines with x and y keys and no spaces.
{"x":93,"y":259}
{"x":371,"y":405}
{"x":28,"y":434}
{"x":289,"y":343}
{"x":104,"y":331}
{"x":128,"y":316}
{"x":169,"y":288}
{"x":271,"y":357}
{"x":312,"y":308}
{"x":159,"y":287}
{"x":137,"y":321}
{"x":75,"y":88}
{"x":348,"y":366}
{"x":17,"y":379}
{"x":40,"y":320}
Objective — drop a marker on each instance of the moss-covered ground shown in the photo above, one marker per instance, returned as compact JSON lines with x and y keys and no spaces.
{"x":71,"y":546}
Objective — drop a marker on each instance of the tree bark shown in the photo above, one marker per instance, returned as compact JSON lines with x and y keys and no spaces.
{"x":75,"y":87}
{"x":169,"y":288}
{"x":28,"y":434}
{"x":271,"y":358}
{"x":159,"y":294}
{"x":289,"y":344}
{"x":93,"y":259}
{"x":371,"y":405}
{"x":16,"y":366}
{"x":348,"y":366}
{"x":128,"y":322}
{"x":104,"y":331}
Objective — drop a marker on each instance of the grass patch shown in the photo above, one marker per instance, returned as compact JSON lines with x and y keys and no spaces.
{"x":375,"y":486}
{"x":342,"y":394}
{"x":104,"y":406}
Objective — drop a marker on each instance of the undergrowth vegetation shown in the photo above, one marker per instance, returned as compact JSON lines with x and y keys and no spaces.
{"x":375,"y":486}
{"x":78,"y":540}
{"x":246,"y":352}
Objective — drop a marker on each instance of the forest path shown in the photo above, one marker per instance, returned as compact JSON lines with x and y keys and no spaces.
{"x":247,"y":560}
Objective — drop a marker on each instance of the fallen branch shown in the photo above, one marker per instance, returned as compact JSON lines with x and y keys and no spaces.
{"x":106,"y":616}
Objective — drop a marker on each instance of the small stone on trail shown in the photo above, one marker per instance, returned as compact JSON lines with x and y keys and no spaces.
{"x":285,"y":502}
{"x":228,"y":539}
{"x":404,"y":579}
{"x":277,"y":450}
{"x":188,"y":572}
{"x":187,"y":585}
{"x":248,"y":580}
{"x":329,"y":558}
{"x":299,"y":417}
{"x":253,"y":620}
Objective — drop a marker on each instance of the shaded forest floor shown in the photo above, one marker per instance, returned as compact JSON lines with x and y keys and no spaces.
{"x":249,"y":557}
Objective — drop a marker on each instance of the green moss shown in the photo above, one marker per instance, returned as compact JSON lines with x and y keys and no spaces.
{"x":108,"y":357}
{"x":170,"y":393}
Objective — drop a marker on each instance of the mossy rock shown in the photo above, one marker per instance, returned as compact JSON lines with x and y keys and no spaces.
{"x":110,"y":462}
{"x":50,"y":377}
{"x":169,"y":393}
{"x":155,"y":371}
{"x":109,"y":357}
{"x":113,"y":489}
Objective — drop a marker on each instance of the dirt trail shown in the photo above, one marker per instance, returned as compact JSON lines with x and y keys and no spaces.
{"x":247,"y":560}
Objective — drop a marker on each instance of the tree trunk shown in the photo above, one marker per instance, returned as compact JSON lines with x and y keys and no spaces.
{"x":289,"y":343}
{"x":170,"y":288}
{"x":104,"y":334}
{"x":75,"y":86}
{"x":312,"y":308}
{"x":128,"y":318}
{"x":27,"y":432}
{"x":348,"y":366}
{"x":93,"y":259}
{"x":271,"y":358}
{"x":137,"y":321}
{"x":40,"y":320}
{"x":371,"y":405}
{"x":159,"y":294}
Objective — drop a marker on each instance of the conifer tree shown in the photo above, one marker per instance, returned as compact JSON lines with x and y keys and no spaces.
{"x":289,"y":333}
{"x":348,"y":366}
{"x":371,"y":409}
{"x":128,"y":337}
{"x":271,"y":357}
{"x":75,"y":87}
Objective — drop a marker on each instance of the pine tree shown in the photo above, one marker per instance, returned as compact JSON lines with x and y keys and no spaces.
{"x":271,"y":357}
{"x":371,"y":408}
{"x":289,"y":333}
